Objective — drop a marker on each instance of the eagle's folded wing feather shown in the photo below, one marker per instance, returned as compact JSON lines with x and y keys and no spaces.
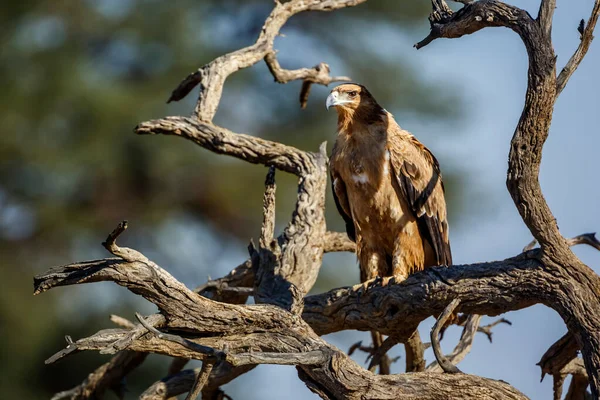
{"x":341,"y":202}
{"x":420,"y":182}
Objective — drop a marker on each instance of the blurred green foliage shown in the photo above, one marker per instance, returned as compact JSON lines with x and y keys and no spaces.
{"x":76,"y":77}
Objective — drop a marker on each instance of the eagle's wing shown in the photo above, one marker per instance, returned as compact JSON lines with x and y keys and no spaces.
{"x":341,"y":202}
{"x":420,"y":181}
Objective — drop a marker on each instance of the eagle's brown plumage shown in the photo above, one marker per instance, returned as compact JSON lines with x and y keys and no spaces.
{"x":388,"y":188}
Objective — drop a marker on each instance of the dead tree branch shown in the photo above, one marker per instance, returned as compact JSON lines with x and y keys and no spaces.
{"x":211,"y":77}
{"x":221,"y":141}
{"x":583,"y":312}
{"x":337,"y":241}
{"x":107,"y":377}
{"x":487,"y":329}
{"x":190,"y":325}
{"x":463,"y":347}
{"x":318,"y":74}
{"x":585,"y":238}
{"x":443,"y":362}
{"x":321,"y":363}
{"x":587,"y":35}
{"x":201,"y":380}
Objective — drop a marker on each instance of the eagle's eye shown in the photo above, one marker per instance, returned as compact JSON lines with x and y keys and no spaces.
{"x":352,"y":93}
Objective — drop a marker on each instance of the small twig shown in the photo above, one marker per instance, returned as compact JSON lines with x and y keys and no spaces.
{"x":71,"y":347}
{"x":122,"y":322}
{"x":223,"y":286}
{"x":381,"y":351}
{"x":304,"y":93}
{"x":557,"y":386}
{"x":487,"y":329}
{"x":318,"y":74}
{"x":125,"y":253}
{"x":587,"y":35}
{"x":66,"y":394}
{"x":209,"y":351}
{"x":358,"y":346}
{"x":207,"y":367}
{"x":446,"y":365}
{"x":240,"y":277}
{"x":585,"y":238}
{"x":135,"y":333}
{"x":580,"y":28}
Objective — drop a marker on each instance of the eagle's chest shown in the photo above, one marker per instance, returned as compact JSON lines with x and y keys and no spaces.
{"x":370,"y":186}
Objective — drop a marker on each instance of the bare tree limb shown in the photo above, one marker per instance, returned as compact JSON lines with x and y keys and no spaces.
{"x":107,"y":377}
{"x":221,"y":141}
{"x":545,"y":15}
{"x":125,"y":253}
{"x":443,"y":362}
{"x":586,"y":39}
{"x":487,"y":329}
{"x":172,"y":385}
{"x":525,"y":158}
{"x":395,"y":309}
{"x":318,"y":74}
{"x":559,"y":355}
{"x":212,"y":76}
{"x":464,"y":344}
{"x":415,"y":353}
{"x":376,"y":357}
{"x":136,"y":332}
{"x":318,"y":360}
{"x":337,"y":241}
{"x":579,"y":382}
{"x":182,"y":382}
{"x":307,"y":358}
{"x":207,"y":367}
{"x":560,"y":360}
{"x":585,"y":238}
{"x":241,"y":277}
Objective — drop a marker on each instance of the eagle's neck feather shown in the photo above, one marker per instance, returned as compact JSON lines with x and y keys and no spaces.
{"x":348,"y":118}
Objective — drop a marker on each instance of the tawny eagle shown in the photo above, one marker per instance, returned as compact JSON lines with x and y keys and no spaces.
{"x":388,"y":188}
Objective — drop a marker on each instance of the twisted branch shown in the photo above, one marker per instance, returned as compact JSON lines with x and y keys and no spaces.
{"x":212,"y":76}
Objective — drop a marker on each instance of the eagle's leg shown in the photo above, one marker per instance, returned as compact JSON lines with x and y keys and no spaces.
{"x":408,"y":256}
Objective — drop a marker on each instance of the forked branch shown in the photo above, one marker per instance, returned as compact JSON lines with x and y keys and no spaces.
{"x":212,"y":76}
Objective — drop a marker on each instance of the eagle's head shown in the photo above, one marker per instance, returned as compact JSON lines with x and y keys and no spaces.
{"x":352,"y":99}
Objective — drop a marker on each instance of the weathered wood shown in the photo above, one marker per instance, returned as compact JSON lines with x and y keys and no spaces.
{"x":202,"y":325}
{"x":212,"y":76}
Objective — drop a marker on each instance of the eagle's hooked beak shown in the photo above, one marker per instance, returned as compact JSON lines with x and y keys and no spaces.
{"x":334,"y":100}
